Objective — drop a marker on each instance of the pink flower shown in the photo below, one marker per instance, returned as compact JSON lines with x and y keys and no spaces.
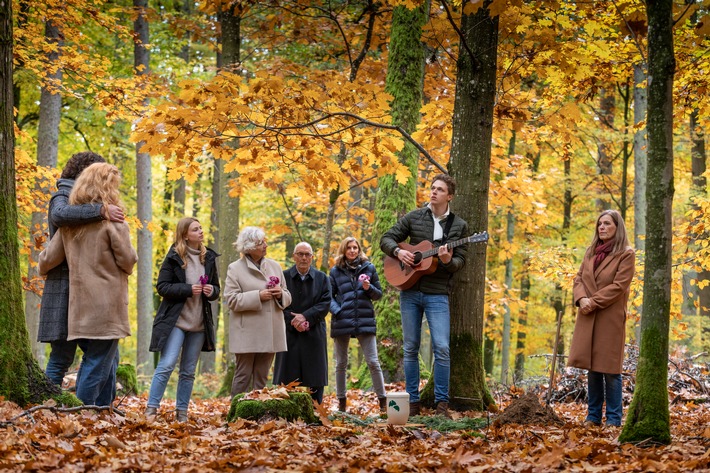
{"x":273,"y":282}
{"x":204,"y":279}
{"x":363,"y":278}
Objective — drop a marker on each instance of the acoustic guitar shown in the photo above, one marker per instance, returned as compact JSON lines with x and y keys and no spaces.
{"x":403,"y":276}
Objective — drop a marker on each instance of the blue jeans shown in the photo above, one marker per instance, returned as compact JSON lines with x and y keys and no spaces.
{"x":190,"y":343}
{"x":599,"y":387}
{"x":96,"y":380}
{"x":413,"y":305}
{"x":60,"y":359}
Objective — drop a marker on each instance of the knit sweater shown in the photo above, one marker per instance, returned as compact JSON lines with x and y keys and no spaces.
{"x":191,"y":319}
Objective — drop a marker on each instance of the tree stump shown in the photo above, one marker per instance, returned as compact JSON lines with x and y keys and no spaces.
{"x":296,"y":406}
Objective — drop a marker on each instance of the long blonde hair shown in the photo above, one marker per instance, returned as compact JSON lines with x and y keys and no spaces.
{"x":621,"y":238}
{"x":340,"y":259}
{"x":97,"y":184}
{"x":183,"y":226}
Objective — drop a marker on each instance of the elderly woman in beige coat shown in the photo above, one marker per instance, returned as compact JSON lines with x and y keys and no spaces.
{"x":256,"y":294}
{"x":601,"y":291}
{"x":100,"y":258}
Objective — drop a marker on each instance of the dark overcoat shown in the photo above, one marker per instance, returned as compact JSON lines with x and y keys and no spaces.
{"x":54,"y":311}
{"x":351,"y":307}
{"x":175,"y":292}
{"x":599,"y":336}
{"x":307,"y":357}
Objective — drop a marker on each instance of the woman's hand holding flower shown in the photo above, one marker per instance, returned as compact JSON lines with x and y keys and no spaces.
{"x":207,"y":289}
{"x":196,"y":289}
{"x":365,"y":280}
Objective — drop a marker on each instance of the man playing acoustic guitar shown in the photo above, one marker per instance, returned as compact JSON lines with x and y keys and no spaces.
{"x":429,"y":295}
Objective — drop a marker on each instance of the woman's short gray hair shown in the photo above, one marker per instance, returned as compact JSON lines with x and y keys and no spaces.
{"x":249,"y":239}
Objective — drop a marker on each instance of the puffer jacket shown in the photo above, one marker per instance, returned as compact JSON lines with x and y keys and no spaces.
{"x":418,"y":226}
{"x":351,"y":305}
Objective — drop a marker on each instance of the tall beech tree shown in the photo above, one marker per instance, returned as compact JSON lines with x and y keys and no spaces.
{"x":405,"y":76}
{"x":144,"y":191}
{"x":21,"y":379}
{"x":470,"y":166}
{"x":50,"y":113}
{"x":648,"y":416}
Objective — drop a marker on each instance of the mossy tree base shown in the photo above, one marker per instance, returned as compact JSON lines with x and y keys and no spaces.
{"x":297,"y":406}
{"x":126,"y":376}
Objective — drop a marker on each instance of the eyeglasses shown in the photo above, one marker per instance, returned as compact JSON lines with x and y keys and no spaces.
{"x":303,"y":255}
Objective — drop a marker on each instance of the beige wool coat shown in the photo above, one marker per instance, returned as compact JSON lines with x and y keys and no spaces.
{"x":100,"y":261}
{"x":599,"y":336}
{"x":255,"y":326}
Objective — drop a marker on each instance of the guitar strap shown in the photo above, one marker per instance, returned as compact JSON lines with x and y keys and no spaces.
{"x":447,"y":228}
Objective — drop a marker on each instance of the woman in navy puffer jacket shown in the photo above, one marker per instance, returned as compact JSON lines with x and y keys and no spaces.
{"x":354,"y":285}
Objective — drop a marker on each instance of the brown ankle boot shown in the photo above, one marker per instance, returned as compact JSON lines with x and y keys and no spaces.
{"x":342,"y":403}
{"x":180,"y":416}
{"x":414,"y":408}
{"x":383,"y":405}
{"x":442,"y":409}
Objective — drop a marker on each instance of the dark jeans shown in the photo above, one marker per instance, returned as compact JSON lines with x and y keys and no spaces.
{"x":60,"y":359}
{"x":96,"y":381}
{"x":601,"y":386}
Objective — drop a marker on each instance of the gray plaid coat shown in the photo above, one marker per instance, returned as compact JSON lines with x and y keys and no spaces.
{"x":55,"y":299}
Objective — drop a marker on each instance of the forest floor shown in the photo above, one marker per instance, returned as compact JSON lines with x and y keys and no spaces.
{"x":45,"y":440}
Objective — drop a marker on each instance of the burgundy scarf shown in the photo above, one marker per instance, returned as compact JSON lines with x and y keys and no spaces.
{"x":602,"y":251}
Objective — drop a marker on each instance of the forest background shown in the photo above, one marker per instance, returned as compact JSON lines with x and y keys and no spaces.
{"x":276,"y":114}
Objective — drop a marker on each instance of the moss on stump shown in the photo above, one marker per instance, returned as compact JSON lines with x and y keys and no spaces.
{"x":296,"y":406}
{"x":126,"y":376}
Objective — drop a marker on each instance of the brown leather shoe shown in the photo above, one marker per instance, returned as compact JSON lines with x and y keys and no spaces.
{"x":414,"y":409}
{"x":442,"y":409}
{"x":342,"y":403}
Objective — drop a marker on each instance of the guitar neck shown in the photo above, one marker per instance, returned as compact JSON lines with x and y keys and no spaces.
{"x":452,"y":245}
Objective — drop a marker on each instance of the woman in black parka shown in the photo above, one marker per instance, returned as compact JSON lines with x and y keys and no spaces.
{"x":183,"y":326}
{"x":354,"y":285}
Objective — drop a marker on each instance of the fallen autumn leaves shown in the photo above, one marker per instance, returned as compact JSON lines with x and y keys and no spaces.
{"x":47,"y":441}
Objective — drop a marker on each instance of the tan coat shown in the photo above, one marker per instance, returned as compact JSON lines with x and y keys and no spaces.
{"x":100,"y":261}
{"x":255,"y":326}
{"x":599,"y":336}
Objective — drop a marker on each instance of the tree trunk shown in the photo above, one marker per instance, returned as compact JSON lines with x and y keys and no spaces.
{"x":228,"y":206}
{"x":505,"y":344}
{"x":404,"y":81}
{"x":510,"y":234}
{"x":470,"y":166}
{"x":208,"y":360}
{"x":522,"y":323}
{"x":648,"y":416}
{"x":21,"y":379}
{"x":604,"y":162}
{"x":144,"y":199}
{"x":50,"y":113}
{"x":699,"y":166}
{"x":640,"y":164}
{"x":640,"y":156}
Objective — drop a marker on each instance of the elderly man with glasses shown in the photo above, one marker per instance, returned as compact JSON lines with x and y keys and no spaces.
{"x":306,"y":360}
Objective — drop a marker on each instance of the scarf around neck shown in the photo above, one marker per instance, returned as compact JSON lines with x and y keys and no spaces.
{"x":602,"y":251}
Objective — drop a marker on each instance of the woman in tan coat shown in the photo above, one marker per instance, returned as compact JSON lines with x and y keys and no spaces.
{"x":100,"y":258}
{"x":256,"y":294}
{"x":601,"y":291}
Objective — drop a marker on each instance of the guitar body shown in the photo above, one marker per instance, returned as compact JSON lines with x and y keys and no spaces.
{"x":402,"y":276}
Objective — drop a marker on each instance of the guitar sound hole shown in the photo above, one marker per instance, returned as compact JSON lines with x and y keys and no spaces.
{"x":417,"y":258}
